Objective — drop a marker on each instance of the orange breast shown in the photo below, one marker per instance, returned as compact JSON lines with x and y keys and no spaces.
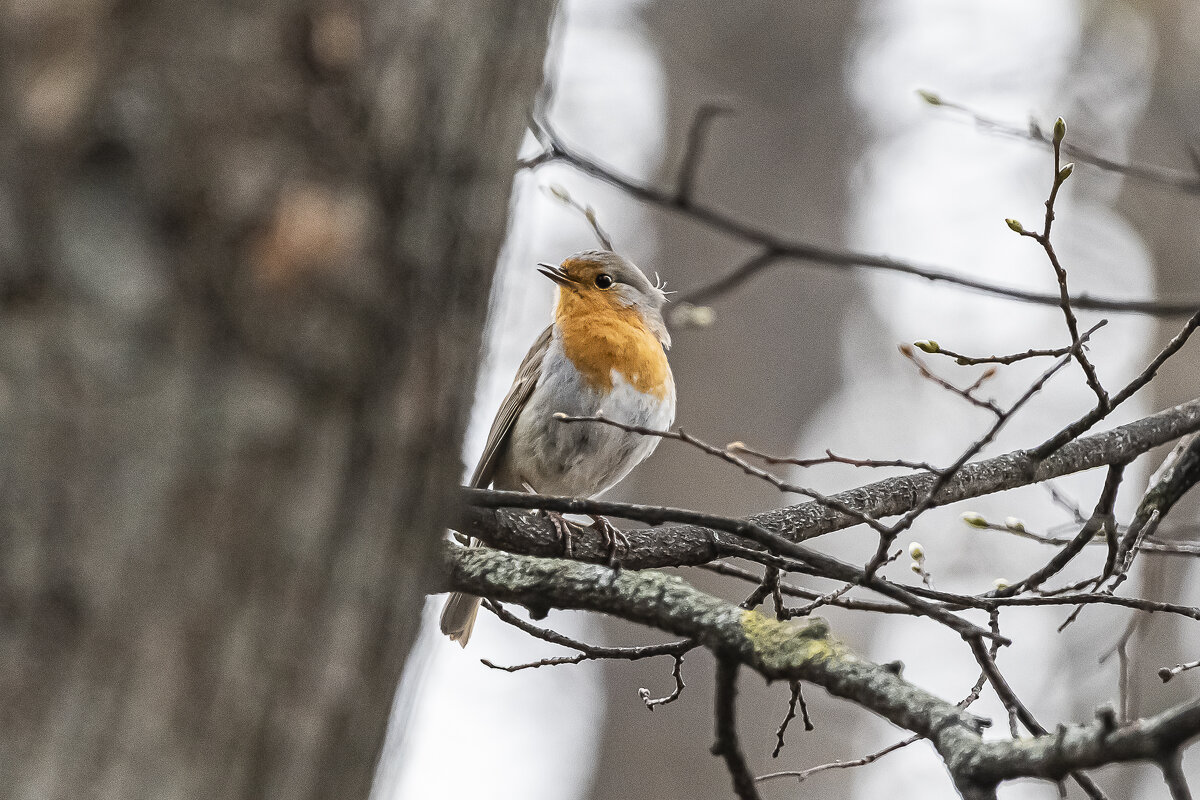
{"x":601,"y":336}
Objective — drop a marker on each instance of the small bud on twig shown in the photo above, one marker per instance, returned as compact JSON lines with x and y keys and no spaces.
{"x":975,"y":520}
{"x":1000,"y":584}
{"x":928,"y":345}
{"x":1014,"y":524}
{"x":1014,"y":225}
{"x":929,"y":97}
{"x":1066,"y":171}
{"x":916,"y":552}
{"x":559,"y":191}
{"x":1060,"y":130}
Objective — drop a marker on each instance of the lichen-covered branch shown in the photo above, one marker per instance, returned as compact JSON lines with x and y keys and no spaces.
{"x":809,"y":652}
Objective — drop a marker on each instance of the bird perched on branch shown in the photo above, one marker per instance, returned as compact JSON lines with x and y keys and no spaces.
{"x":604,"y":355}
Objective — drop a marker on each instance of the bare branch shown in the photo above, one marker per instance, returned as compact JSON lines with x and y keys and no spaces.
{"x":1101,"y":519}
{"x":1085,"y":422}
{"x":1178,"y":474}
{"x":694,"y":544}
{"x":947,"y":475}
{"x":587,"y":652}
{"x":829,"y":458}
{"x":1121,"y":650}
{"x":723,"y":568}
{"x":784,"y":650}
{"x":803,"y":774}
{"x":773,"y":249}
{"x":727,"y":455}
{"x":677,"y":674}
{"x":796,"y":699}
{"x":586,"y":211}
{"x":1171,"y":179}
{"x":1061,"y":173}
{"x":693,"y":151}
{"x":1166,"y":673}
{"x":726,"y":745}
{"x":824,"y":565}
{"x":966,"y":394}
{"x":1173,"y":775}
{"x":768,"y":587}
{"x":968,"y":361}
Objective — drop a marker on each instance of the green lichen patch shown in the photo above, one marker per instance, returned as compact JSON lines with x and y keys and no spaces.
{"x":782,"y":646}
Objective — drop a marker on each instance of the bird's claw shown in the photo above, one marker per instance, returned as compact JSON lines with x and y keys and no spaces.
{"x":563,"y":530}
{"x":613,"y":539}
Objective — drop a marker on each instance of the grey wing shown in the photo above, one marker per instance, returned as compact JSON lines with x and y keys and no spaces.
{"x":510,"y":409}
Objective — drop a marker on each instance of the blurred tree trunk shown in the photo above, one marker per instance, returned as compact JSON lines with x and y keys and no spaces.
{"x":1164,"y":136}
{"x":245,"y":254}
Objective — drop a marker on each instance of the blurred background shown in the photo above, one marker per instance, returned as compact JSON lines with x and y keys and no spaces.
{"x":830,"y":143}
{"x":246,"y":251}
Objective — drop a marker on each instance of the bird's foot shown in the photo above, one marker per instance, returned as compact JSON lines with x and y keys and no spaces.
{"x":612,"y":538}
{"x":563,"y":530}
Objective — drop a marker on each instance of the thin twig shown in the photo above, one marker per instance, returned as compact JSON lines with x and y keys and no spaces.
{"x":1015,"y":707}
{"x":832,"y":596}
{"x":767,"y":587}
{"x":1063,"y":501}
{"x":587,"y":211}
{"x":804,"y":774}
{"x":1101,"y":519}
{"x":1084,"y":423}
{"x":774,"y":249}
{"x":1061,"y":174}
{"x":1166,"y":673}
{"x":723,"y":568}
{"x":677,"y":674}
{"x":1121,"y":650}
{"x":947,"y":475}
{"x":689,"y":165}
{"x":970,"y":361}
{"x":796,"y":699}
{"x":726,"y":743}
{"x":727,"y":456}
{"x":1172,"y":179}
{"x":587,"y":652}
{"x":908,"y":352}
{"x":829,"y":458}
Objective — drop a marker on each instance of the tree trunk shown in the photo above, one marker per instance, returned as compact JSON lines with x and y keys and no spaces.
{"x":1164,"y":136}
{"x":245,"y":254}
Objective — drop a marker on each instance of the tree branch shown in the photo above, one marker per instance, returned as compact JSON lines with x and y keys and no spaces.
{"x":786,"y":650}
{"x":682,"y":545}
{"x":726,"y":744}
{"x":773,"y":249}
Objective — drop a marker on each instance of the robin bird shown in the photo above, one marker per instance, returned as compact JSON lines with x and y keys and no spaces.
{"x":604,"y":355}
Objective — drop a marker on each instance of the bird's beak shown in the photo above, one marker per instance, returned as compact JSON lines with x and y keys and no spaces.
{"x":555,"y":273}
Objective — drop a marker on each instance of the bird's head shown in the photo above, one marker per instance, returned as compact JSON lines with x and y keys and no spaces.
{"x":600,"y":279}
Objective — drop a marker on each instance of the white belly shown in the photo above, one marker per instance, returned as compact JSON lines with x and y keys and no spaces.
{"x":580,"y":458}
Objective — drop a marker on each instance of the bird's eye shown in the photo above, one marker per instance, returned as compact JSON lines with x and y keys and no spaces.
{"x":603,"y":281}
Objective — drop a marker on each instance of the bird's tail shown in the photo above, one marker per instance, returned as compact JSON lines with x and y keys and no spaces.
{"x":458,"y":617}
